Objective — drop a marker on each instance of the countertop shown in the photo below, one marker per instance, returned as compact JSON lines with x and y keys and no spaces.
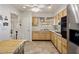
{"x":9,"y":46}
{"x":49,"y":31}
{"x":56,"y":33}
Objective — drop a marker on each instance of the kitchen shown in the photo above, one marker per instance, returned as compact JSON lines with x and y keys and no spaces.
{"x":50,"y":29}
{"x":44,"y":23}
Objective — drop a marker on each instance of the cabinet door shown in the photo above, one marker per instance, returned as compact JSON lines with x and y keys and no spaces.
{"x":59,"y":44}
{"x":47,"y":35}
{"x":64,"y":45}
{"x":44,"y":35}
{"x":56,"y":20}
{"x":41,"y":36}
{"x":64,"y":12}
{"x":52,"y":37}
{"x":56,"y":40}
{"x":35,"y":36}
{"x":60,"y":14}
{"x":34,"y":21}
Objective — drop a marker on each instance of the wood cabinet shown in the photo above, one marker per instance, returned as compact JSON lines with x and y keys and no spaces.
{"x":60,"y":14}
{"x":40,"y":35}
{"x":35,"y":35}
{"x":59,"y":42}
{"x":52,"y":37}
{"x":64,"y":46}
{"x":56,"y":40}
{"x":64,"y":12}
{"x":57,"y":17}
{"x":34,"y":21}
{"x":59,"y":45}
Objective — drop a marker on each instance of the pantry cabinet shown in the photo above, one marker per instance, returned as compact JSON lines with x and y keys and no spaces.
{"x":40,"y":35}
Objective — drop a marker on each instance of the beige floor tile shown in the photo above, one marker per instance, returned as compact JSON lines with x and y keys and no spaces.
{"x":39,"y":47}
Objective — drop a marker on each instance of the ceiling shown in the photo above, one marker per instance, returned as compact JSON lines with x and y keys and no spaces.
{"x":44,"y":7}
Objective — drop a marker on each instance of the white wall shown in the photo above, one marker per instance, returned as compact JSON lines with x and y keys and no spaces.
{"x":6,"y":10}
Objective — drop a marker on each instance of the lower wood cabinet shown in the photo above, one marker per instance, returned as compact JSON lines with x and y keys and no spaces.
{"x":52,"y":37}
{"x":35,"y":35}
{"x":59,"y":42}
{"x":64,"y":46}
{"x":59,"y":45}
{"x":40,"y":35}
{"x":56,"y":40}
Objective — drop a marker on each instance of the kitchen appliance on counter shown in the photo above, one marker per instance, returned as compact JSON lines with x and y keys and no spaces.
{"x":74,"y":36}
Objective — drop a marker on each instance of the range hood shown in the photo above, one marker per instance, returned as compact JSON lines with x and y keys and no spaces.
{"x":73,"y":13}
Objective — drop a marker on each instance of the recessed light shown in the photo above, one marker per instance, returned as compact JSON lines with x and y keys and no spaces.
{"x":24,"y":7}
{"x":49,"y":7}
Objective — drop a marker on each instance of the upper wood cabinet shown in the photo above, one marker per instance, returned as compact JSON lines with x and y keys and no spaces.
{"x":34,"y":21}
{"x":64,"y":12}
{"x":60,"y":15}
{"x":57,"y":17}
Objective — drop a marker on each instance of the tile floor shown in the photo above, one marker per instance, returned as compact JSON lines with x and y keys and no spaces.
{"x":39,"y":47}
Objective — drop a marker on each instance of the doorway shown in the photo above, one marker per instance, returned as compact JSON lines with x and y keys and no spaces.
{"x":14,"y":26}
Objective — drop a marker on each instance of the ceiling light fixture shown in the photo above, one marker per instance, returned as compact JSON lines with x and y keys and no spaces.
{"x":35,"y":9}
{"x":49,"y":7}
{"x":24,"y":7}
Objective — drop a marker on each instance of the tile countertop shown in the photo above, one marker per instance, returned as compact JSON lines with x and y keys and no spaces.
{"x":9,"y":46}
